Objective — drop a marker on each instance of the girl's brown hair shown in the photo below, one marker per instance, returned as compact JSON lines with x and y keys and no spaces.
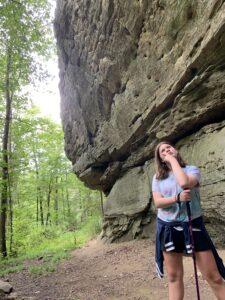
{"x":162,"y":170}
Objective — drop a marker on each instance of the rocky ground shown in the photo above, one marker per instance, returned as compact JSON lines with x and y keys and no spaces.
{"x":105,"y":272}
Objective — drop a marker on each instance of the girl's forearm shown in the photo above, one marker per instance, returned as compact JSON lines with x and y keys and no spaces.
{"x":163,"y":202}
{"x":180,"y":175}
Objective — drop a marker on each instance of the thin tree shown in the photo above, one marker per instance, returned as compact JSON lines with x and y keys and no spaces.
{"x":5,"y":158}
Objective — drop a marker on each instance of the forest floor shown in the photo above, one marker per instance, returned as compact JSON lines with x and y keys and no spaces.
{"x":98,"y":271}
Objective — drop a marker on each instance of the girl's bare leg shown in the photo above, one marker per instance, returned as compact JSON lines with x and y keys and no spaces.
{"x":175,"y":272}
{"x":207,"y":265}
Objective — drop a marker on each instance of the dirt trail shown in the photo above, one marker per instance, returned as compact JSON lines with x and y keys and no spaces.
{"x":106,"y":272}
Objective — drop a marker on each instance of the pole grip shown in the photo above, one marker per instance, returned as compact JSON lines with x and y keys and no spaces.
{"x":188,"y":208}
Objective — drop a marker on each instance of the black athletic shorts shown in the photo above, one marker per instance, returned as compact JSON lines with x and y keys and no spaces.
{"x":201,"y":242}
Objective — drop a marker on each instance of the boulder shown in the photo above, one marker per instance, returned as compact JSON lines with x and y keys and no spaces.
{"x":5,"y":287}
{"x":131,"y":74}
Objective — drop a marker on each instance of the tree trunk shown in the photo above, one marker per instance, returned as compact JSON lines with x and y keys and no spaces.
{"x":10,"y":184}
{"x":101,"y":203}
{"x":63,"y":201}
{"x":10,"y":215}
{"x":37,"y":209}
{"x":5,"y":166}
{"x":56,"y":204}
{"x":39,"y":196}
{"x":67,"y":198}
{"x":48,"y":203}
{"x":81,"y":207}
{"x":41,"y":206}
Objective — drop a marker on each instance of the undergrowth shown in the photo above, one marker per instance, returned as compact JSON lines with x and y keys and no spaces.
{"x":46,"y":248}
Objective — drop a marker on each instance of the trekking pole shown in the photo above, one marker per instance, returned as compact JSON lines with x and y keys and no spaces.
{"x":193,"y":247}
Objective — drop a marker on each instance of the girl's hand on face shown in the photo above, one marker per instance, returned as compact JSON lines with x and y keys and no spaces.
{"x":185,"y":195}
{"x":167,"y":153}
{"x":168,"y":158}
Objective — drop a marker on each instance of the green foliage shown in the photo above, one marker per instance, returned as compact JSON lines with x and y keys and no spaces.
{"x":49,"y":211}
{"x":9,"y":270}
{"x":52,"y":247}
{"x":25,"y":37}
{"x":91,"y":228}
{"x":41,"y":172}
{"x":37,"y":161}
{"x":26,"y":32}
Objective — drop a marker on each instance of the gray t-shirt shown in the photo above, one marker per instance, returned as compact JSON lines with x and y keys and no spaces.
{"x":169,"y":187}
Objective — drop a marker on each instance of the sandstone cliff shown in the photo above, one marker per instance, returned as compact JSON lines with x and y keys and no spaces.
{"x":133,"y":72}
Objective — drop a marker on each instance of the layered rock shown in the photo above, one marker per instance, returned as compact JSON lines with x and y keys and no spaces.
{"x":133,"y":73}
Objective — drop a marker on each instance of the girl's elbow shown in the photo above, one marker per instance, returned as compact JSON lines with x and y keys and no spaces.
{"x":157,"y":205}
{"x":184,"y":185}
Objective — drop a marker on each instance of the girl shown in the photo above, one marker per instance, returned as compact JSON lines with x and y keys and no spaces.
{"x":173,"y":185}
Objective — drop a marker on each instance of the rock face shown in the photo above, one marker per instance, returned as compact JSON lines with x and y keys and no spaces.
{"x":133,"y":73}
